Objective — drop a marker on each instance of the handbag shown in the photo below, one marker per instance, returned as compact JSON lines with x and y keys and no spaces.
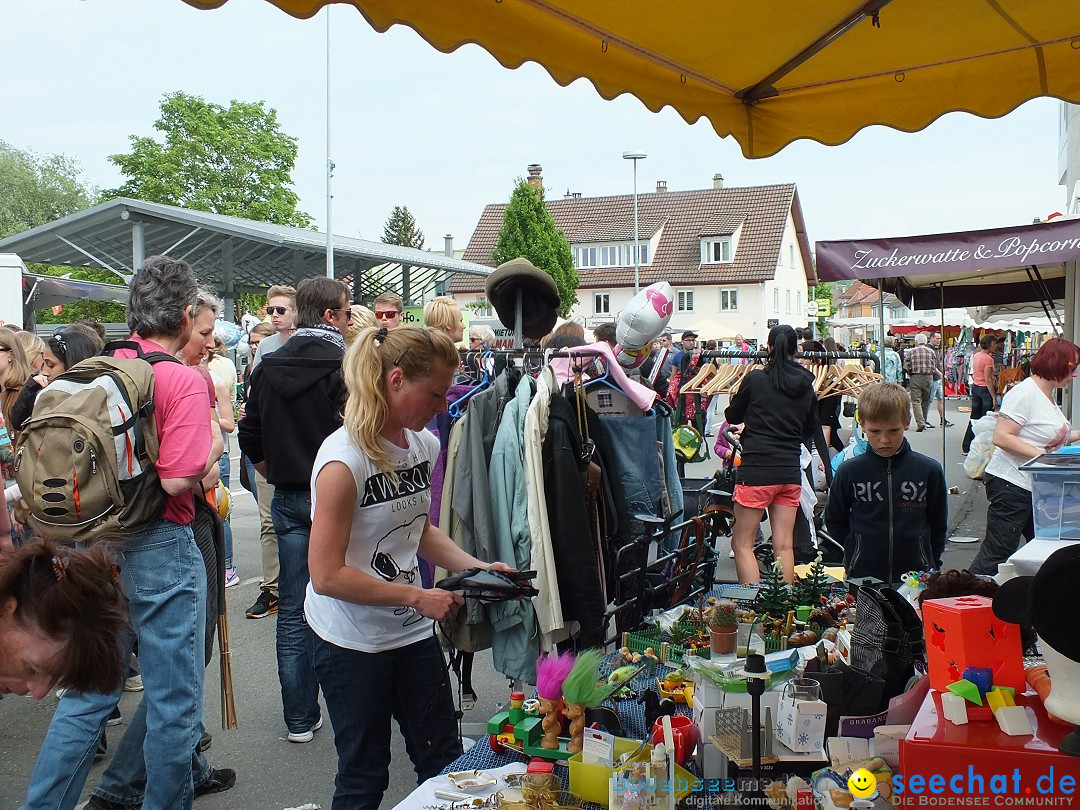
{"x":849,"y":408}
{"x":887,"y":638}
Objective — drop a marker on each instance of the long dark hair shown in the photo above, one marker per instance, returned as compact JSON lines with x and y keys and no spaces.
{"x":71,"y":347}
{"x":782,"y":345}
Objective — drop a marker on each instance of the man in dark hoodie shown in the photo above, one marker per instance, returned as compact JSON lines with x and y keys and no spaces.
{"x":888,"y":506}
{"x":296,"y":400}
{"x":774,"y":411}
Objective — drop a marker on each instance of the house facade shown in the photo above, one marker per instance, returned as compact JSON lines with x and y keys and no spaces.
{"x":738,"y":259}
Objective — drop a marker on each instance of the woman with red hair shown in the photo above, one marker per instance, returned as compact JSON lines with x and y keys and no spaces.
{"x":1030,"y":424}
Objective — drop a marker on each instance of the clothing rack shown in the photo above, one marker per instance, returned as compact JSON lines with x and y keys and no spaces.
{"x":819,"y":356}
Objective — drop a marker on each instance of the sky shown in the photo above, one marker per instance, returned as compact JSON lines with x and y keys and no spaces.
{"x":446,"y":134}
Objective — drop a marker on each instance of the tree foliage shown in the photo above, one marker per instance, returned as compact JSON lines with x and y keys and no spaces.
{"x":400,"y":229}
{"x":38,"y":189}
{"x":530,"y":231}
{"x":231,"y":160}
{"x":824,"y":293}
{"x":35,"y":189}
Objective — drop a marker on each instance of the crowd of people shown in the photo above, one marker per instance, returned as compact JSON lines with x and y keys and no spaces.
{"x":332,"y":423}
{"x":331,"y":427}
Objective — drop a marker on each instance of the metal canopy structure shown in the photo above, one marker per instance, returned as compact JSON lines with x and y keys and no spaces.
{"x":229,"y":254}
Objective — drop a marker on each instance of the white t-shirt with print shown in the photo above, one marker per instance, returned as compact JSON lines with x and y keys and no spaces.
{"x":386,"y":529}
{"x":1040,"y":422}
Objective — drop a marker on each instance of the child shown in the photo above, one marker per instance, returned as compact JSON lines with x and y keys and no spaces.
{"x":888,"y":506}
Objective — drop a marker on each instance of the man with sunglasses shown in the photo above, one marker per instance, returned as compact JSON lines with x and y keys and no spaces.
{"x":296,"y":400}
{"x":281,"y":307}
{"x":388,"y":308}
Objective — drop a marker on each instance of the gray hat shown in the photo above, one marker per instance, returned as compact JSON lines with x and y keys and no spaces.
{"x":539,"y":296}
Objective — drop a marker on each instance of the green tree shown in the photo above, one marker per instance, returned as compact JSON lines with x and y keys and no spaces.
{"x":823,"y":294}
{"x":530,"y":231}
{"x":400,"y":229}
{"x":37,"y":189}
{"x":227,"y":160}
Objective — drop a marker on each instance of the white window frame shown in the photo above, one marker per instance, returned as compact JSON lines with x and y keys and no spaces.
{"x":684,"y":301}
{"x":787,"y":301}
{"x":729,"y":299}
{"x":601,"y":297}
{"x":482,"y":312}
{"x":791,"y":255}
{"x":712,"y":248}
{"x":776,"y":300}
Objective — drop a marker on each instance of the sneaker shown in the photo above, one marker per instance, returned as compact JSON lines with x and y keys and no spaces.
{"x":946,"y":423}
{"x":134,"y":683}
{"x":114,"y":719}
{"x":220,"y":780}
{"x":305,"y":736}
{"x":98,"y":803}
{"x":263,"y":607}
{"x":231,"y":577}
{"x":928,"y":425}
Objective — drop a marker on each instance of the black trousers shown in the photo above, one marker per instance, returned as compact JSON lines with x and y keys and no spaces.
{"x":1008,"y":518}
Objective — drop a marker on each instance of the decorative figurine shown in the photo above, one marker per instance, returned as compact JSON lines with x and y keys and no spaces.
{"x":551,"y":672}
{"x":583,"y":689}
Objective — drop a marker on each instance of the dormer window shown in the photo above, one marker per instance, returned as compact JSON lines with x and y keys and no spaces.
{"x":716,"y":250}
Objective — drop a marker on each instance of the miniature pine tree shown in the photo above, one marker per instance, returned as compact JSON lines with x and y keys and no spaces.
{"x":774,"y":597}
{"x":810,"y":589}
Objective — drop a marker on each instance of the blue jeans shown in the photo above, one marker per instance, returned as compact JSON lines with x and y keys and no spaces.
{"x":291,"y":511}
{"x":363,"y":691}
{"x":124,"y":781}
{"x":224,"y":470}
{"x":633,"y":442}
{"x":162,"y":575}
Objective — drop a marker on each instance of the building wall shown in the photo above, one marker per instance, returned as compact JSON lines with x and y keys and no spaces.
{"x":786,"y":295}
{"x":1069,"y":157}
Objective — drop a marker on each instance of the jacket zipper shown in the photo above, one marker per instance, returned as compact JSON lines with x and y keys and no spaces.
{"x":890,"y":580}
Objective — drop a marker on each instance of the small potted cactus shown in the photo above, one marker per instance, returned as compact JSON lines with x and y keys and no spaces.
{"x":723,"y":621}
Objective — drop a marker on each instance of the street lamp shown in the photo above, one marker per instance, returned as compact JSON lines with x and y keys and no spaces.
{"x":636,"y":155}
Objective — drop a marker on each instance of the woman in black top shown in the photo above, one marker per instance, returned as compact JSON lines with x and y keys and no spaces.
{"x":774,"y":411}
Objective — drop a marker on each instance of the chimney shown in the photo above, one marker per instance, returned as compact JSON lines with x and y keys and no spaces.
{"x":536,"y":178}
{"x":718,"y":180}
{"x":568,"y":195}
{"x":448,"y":246}
{"x":661,"y":186}
{"x":576,"y":195}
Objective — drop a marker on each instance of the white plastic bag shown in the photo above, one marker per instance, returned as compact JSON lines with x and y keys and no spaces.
{"x":982,"y":446}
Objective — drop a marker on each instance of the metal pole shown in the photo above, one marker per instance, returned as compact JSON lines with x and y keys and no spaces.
{"x":881,"y":321}
{"x":637,"y":242}
{"x":329,"y":164}
{"x":944,"y":410}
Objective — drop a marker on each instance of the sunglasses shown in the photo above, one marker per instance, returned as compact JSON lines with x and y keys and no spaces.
{"x":346,"y":310}
{"x":277,"y":310}
{"x":386,"y":314}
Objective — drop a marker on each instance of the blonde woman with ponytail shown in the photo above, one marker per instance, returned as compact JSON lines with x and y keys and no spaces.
{"x":375,"y":649}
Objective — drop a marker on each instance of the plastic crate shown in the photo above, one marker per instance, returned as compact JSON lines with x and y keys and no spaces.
{"x":1055,"y":495}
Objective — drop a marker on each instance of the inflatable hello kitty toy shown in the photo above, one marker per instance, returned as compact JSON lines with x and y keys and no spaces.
{"x":641,"y":322}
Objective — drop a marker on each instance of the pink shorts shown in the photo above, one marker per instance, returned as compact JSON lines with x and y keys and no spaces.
{"x":762,"y":497}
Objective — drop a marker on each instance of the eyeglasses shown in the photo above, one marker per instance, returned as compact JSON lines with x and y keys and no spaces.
{"x":475,"y":340}
{"x":386,"y":314}
{"x":277,"y":310}
{"x":346,"y":310}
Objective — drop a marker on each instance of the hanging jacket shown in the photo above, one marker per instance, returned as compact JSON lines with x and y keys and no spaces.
{"x":568,"y":516}
{"x":515,"y":643}
{"x":296,"y":400}
{"x":776,"y":424}
{"x":890,"y":514}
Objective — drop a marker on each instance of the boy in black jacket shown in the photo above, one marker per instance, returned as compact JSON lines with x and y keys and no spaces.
{"x":888,"y":506}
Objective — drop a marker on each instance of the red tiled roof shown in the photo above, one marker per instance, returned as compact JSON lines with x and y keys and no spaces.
{"x":860,"y":293}
{"x":685,"y":217}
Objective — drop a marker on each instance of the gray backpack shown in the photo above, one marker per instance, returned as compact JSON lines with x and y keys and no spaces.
{"x":85,"y":461}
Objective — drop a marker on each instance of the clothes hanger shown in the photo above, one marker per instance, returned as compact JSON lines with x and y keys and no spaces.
{"x":455,"y":408}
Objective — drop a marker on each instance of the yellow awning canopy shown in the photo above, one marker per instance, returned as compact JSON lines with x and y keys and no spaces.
{"x":770,"y":73}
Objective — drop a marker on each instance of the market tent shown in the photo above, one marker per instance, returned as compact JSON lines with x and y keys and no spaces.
{"x":769,"y":74}
{"x":995,"y":266}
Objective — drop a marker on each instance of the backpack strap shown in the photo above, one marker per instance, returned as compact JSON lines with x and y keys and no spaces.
{"x":112,"y":347}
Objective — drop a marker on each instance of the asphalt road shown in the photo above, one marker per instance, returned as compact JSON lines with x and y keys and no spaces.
{"x":272,"y":773}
